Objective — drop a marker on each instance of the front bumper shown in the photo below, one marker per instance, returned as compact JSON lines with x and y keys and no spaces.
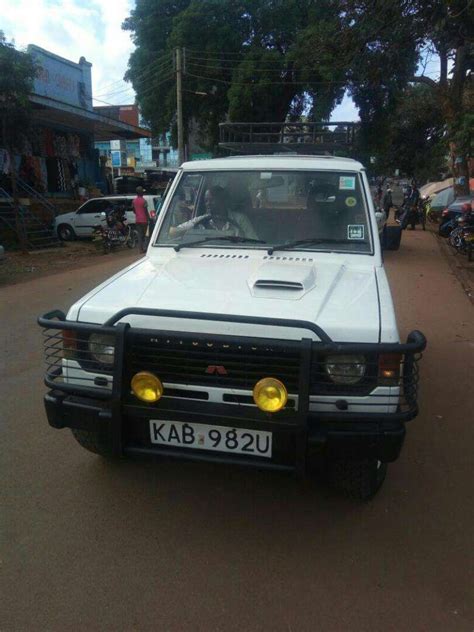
{"x":126,"y":431}
{"x":300,"y":435}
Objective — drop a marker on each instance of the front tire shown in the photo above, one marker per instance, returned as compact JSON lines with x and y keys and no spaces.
{"x":132,"y":239}
{"x":357,"y":479}
{"x":66,"y":232}
{"x":92,"y":441}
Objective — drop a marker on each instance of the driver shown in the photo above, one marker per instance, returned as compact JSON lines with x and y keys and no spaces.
{"x":218,"y":217}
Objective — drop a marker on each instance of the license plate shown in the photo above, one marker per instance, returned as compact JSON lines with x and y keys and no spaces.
{"x":217,"y":438}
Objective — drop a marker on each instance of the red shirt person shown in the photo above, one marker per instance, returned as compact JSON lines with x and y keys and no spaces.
{"x":142,"y":217}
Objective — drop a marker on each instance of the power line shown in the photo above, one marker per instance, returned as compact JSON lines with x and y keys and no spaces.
{"x":283,"y":59}
{"x":138,"y":82}
{"x":150,"y":67}
{"x":241,"y":67}
{"x":205,"y":52}
{"x":142,"y":77}
{"x":145,"y":93}
{"x":267,"y":83}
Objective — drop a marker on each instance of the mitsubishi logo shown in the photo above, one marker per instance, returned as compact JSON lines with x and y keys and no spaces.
{"x":216,"y":369}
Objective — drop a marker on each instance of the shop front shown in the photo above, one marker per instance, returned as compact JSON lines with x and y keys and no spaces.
{"x":56,"y":155}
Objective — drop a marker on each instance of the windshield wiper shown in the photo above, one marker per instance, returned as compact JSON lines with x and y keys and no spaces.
{"x":235,"y":239}
{"x":301,"y":242}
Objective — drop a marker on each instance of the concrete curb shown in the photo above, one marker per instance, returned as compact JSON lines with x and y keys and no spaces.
{"x":460,"y":267}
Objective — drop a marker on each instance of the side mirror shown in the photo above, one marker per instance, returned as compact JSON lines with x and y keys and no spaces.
{"x":391,"y":237}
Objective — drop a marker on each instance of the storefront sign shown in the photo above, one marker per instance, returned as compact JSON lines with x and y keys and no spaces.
{"x":61,"y":79}
{"x":119,"y":159}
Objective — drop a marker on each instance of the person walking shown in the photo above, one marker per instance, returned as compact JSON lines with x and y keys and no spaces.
{"x":142,"y":217}
{"x":387,"y":202}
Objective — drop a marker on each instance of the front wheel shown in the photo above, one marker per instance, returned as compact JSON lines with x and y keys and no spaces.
{"x":357,"y":479}
{"x":66,"y":232}
{"x":93,"y":442}
{"x":132,"y":239}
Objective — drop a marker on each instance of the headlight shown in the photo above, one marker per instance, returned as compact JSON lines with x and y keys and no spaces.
{"x":345,"y":369}
{"x":147,"y":387}
{"x":102,"y":348}
{"x":270,"y":395}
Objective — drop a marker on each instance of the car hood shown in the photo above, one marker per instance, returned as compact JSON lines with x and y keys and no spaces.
{"x":338,"y":293}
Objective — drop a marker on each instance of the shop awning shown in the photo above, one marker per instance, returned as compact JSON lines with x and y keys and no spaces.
{"x":51,"y":112}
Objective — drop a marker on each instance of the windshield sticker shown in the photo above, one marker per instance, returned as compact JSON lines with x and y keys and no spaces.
{"x":347,"y":183}
{"x":265,"y":175}
{"x":355,"y":231}
{"x":351,"y":201}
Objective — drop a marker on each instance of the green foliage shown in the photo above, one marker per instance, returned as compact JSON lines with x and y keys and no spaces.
{"x":251,"y":58}
{"x":273,"y":60}
{"x":17,"y":71}
{"x":415,"y":136}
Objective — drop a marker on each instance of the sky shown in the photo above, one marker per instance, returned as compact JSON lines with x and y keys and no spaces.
{"x":75,"y":28}
{"x":91,"y":28}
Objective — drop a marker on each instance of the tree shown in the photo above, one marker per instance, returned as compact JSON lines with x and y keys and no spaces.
{"x":17,"y":71}
{"x":415,"y":136}
{"x":389,"y":40}
{"x":247,"y":56}
{"x":264,"y":60}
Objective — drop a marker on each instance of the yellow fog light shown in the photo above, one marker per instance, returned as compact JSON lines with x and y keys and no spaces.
{"x":270,"y":394}
{"x":147,"y":387}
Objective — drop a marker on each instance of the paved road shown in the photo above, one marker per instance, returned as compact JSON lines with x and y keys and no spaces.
{"x":90,"y":545}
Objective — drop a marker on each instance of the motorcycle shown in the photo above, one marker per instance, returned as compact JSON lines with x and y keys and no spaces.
{"x":462,"y":237}
{"x":452,"y":217}
{"x":115,"y":233}
{"x":413,"y":214}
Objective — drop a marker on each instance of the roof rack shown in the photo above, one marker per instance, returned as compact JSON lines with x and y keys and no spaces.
{"x":281,"y":138}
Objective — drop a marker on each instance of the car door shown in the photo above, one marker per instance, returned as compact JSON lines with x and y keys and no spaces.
{"x":88,"y":216}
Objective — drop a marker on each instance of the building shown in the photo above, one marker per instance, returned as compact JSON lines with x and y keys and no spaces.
{"x":138,"y":155}
{"x":57,"y":155}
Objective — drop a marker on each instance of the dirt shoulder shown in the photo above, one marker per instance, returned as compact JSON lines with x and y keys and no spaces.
{"x":18,"y":267}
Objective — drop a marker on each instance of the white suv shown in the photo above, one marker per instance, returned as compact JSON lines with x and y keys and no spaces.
{"x":81,"y":223}
{"x":258,"y":330}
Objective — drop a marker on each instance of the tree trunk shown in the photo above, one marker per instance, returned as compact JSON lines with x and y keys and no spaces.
{"x":455,"y":110}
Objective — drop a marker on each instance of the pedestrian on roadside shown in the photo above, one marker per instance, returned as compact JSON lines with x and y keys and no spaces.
{"x":142,"y":218}
{"x":387,"y":202}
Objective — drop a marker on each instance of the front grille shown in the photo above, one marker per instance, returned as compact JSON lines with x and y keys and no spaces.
{"x":211,"y":361}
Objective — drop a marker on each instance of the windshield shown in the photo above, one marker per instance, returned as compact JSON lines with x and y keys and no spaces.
{"x":299,"y":210}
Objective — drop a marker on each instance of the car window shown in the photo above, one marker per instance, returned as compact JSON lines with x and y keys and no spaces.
{"x":275,"y":207}
{"x":94,"y":206}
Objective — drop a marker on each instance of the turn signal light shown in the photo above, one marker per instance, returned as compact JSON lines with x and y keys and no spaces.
{"x":69,"y":343}
{"x":147,"y":387}
{"x":389,"y":368}
{"x":270,"y":395}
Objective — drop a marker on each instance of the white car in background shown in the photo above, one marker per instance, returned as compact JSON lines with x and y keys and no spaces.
{"x":81,"y":223}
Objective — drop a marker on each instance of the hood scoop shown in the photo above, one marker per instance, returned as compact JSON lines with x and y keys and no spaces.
{"x":275,"y":284}
{"x":286,"y":280}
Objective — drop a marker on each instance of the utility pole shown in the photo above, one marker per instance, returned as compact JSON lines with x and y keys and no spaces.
{"x":179,"y":104}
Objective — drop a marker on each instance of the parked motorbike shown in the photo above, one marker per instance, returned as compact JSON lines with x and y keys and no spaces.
{"x":413,"y":214}
{"x":115,"y":233}
{"x":450,"y":217}
{"x":462,"y":237}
